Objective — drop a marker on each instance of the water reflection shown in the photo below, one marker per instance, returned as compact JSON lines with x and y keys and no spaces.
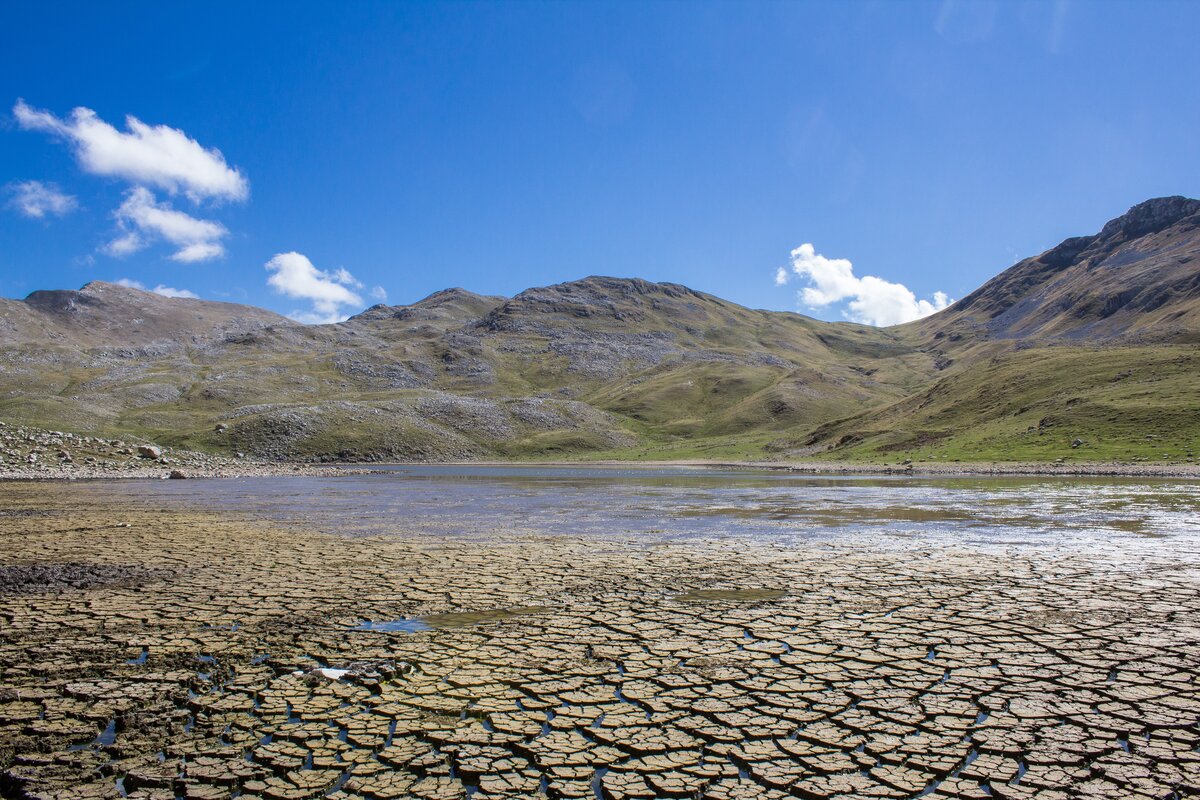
{"x":666,"y":502}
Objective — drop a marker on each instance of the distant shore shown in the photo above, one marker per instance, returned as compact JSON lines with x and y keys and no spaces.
{"x":253,"y":469}
{"x":997,"y":468}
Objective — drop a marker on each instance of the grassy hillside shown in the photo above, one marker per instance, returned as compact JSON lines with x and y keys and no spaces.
{"x":1118,"y":403}
{"x":1086,"y":351}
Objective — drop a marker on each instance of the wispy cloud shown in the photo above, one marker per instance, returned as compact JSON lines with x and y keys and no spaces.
{"x":869,"y":299}
{"x":293,"y":275}
{"x":38,"y":200}
{"x":966,"y":21}
{"x":165,"y":291}
{"x":149,"y":155}
{"x":142,"y":220}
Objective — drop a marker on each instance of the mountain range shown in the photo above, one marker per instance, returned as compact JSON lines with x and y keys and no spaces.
{"x":1088,"y":351}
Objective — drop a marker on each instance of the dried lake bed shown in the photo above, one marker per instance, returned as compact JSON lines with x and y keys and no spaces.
{"x":449,"y":632}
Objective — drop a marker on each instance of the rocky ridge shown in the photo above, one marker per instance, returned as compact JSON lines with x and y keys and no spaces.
{"x":636,"y":369}
{"x":1137,"y":278}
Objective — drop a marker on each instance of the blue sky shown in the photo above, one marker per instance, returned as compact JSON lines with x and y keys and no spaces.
{"x":415,"y":146}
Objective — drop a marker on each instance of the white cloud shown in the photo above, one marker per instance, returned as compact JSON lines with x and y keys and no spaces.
{"x":871,"y":300}
{"x":165,"y":291}
{"x":38,"y":200}
{"x":379,"y":293}
{"x":152,"y":155}
{"x":198,"y":251}
{"x":292,"y":274}
{"x":343,"y":276}
{"x":124,"y":244}
{"x":142,"y":219}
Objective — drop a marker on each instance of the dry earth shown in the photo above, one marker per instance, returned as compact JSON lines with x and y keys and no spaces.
{"x":162,"y":653}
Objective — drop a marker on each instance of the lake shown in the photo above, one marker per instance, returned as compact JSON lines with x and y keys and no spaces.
{"x":1100,"y":513}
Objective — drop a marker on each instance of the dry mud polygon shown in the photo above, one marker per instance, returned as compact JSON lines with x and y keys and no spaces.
{"x":719,"y":669}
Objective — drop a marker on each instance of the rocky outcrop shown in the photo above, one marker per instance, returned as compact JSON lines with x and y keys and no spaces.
{"x":109,"y":315}
{"x":1137,"y":279}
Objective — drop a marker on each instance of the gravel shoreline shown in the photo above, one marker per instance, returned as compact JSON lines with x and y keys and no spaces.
{"x":60,"y":473}
{"x":71,"y":472}
{"x":999,"y":469}
{"x":34,"y":454}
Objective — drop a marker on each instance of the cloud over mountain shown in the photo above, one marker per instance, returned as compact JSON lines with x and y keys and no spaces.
{"x":293,"y":275}
{"x":165,"y":291}
{"x":870,"y":300}
{"x":142,"y":219}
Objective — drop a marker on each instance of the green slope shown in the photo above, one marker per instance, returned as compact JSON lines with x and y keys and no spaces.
{"x":1118,"y":403}
{"x":1093,"y":340}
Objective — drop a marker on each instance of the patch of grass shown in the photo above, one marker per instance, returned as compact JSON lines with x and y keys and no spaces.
{"x":1123,"y":404}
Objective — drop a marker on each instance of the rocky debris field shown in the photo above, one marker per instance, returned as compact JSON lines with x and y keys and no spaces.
{"x":35,"y":454}
{"x":202,"y":655}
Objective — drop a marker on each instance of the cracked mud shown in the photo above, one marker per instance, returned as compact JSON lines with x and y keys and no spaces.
{"x":191,"y":653}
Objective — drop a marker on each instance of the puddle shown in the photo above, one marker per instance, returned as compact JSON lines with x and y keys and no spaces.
{"x":411,"y":625}
{"x":457,"y":619}
{"x":730,"y":595}
{"x":332,"y":674}
{"x":106,"y":738}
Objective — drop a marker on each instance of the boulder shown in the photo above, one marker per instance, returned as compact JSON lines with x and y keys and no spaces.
{"x":149,"y":451}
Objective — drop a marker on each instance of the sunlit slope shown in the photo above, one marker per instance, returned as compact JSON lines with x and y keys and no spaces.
{"x":592,"y":365}
{"x":1093,"y":340}
{"x":1137,"y":280}
{"x":1038,"y":405}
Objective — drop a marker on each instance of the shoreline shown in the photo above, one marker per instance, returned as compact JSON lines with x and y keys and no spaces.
{"x":67,"y":473}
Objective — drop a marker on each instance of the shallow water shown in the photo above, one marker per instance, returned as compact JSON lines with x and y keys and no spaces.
{"x":454,"y":619}
{"x":864,"y":623}
{"x":668,"y":502}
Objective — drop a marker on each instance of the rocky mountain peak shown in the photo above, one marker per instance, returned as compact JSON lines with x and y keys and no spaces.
{"x":102,"y":287}
{"x":1151,"y":216}
{"x":601,"y":291}
{"x":101,"y":314}
{"x":93,"y":295}
{"x":447,"y":305}
{"x":1136,"y":277}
